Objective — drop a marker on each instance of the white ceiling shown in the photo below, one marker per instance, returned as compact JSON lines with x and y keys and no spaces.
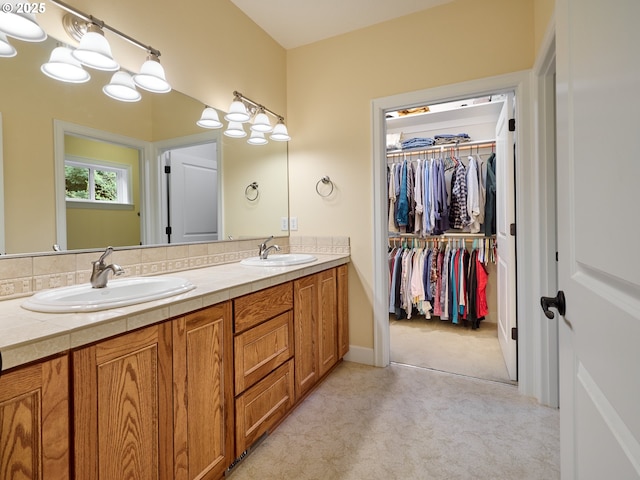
{"x":293,"y":23}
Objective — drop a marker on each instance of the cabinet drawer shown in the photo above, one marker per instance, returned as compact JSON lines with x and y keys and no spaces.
{"x":261,"y":349}
{"x":263,"y":406}
{"x":257,"y":307}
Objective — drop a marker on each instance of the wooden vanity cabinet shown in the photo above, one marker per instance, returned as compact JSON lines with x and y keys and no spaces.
{"x":317,"y":332}
{"x":263,"y":350}
{"x":343,"y":309}
{"x":155,"y":403}
{"x":34,"y":421}
{"x":203,"y":393}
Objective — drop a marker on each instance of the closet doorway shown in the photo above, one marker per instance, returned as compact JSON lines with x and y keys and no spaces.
{"x":452,"y":292}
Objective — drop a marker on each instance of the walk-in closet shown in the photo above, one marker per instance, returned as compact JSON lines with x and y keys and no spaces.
{"x":451,"y":250}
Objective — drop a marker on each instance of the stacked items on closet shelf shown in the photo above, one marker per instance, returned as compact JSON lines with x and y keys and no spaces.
{"x":441,"y":278}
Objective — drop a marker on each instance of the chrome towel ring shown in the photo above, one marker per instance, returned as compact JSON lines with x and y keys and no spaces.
{"x":251,"y":192}
{"x":325,"y":181}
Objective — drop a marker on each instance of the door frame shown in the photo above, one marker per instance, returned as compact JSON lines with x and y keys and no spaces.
{"x":528,"y":217}
{"x":60,"y":128}
{"x":163,"y":146}
{"x":544,"y":102}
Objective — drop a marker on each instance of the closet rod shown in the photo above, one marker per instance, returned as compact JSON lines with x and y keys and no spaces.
{"x":442,"y":148}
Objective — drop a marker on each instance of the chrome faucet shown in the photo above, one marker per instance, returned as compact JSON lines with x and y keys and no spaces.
{"x":263,"y":250}
{"x":100,"y":272}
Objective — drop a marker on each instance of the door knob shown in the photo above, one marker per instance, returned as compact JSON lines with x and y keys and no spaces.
{"x":558,"y":302}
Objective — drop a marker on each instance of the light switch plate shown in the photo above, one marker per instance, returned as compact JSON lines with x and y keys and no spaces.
{"x":284,"y":224}
{"x":293,"y":223}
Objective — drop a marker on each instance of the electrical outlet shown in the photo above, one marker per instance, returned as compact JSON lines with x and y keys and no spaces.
{"x":284,"y":224}
{"x":293,"y":223}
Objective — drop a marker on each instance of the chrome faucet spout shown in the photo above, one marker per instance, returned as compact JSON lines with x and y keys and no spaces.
{"x":262,"y":248}
{"x":100,"y":272}
{"x":265,"y":252}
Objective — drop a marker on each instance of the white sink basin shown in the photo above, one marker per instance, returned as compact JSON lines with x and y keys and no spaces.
{"x":117,"y":293}
{"x":279,"y":260}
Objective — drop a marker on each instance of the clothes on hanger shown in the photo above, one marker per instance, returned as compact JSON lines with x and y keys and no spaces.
{"x":449,"y":282}
{"x":421,"y":201}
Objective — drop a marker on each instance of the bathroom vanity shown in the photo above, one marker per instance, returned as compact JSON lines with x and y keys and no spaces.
{"x":187,"y":385}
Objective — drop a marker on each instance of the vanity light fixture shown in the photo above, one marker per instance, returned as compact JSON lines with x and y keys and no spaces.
{"x":151,"y":76}
{"x":280,"y":133}
{"x":209,"y":119}
{"x":62,"y":66}
{"x":261,"y":122}
{"x":257,"y":138}
{"x":94,"y":50}
{"x":121,"y":87}
{"x":17,"y":23}
{"x":244,"y":108}
{"x":237,"y":110}
{"x":6,"y":49}
{"x":235,"y":130}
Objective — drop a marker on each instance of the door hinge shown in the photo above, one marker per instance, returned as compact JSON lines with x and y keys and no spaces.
{"x":512,"y":229}
{"x":512,"y":124}
{"x":167,"y":230}
{"x":556,"y":256}
{"x":167,"y":169}
{"x":514,"y":333}
{"x":0,"y":363}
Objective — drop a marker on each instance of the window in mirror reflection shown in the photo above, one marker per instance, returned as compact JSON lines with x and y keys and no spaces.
{"x":94,"y":182}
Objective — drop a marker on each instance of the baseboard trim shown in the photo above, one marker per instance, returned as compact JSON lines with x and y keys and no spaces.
{"x":360,"y":355}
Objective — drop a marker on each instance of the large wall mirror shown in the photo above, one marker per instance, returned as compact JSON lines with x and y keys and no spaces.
{"x":48,"y":126}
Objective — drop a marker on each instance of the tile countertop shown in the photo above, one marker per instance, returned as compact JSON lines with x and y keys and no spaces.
{"x":26,"y":336}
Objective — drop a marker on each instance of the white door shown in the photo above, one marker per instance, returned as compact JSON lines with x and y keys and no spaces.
{"x":505,"y":216}
{"x":598,"y":100}
{"x":193,"y":194}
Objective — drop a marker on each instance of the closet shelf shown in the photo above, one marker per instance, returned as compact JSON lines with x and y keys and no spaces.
{"x":442,"y":148}
{"x":444,"y":235}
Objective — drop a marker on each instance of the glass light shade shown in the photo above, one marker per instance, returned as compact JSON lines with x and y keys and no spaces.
{"x":94,"y":51}
{"x":6,"y":49}
{"x":209,"y":119}
{"x":257,"y":138}
{"x":280,"y":133}
{"x":235,"y":130}
{"x":237,"y":112}
{"x":62,"y":66}
{"x":151,"y":76}
{"x":121,"y":87}
{"x":22,"y":26}
{"x":261,"y":123}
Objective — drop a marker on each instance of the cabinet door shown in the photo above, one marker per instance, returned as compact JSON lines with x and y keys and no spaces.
{"x":327,"y":321}
{"x":123,"y":407}
{"x":306,"y":333}
{"x":203,"y":389}
{"x":343,"y":310}
{"x":34,"y":421}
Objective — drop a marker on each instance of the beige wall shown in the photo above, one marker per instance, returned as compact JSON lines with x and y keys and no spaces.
{"x":330,"y":88}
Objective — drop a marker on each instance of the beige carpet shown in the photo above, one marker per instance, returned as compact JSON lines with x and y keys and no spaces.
{"x":443,"y":346}
{"x":409,"y":423}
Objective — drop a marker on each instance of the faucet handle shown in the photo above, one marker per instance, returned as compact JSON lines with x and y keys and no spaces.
{"x":106,"y":253}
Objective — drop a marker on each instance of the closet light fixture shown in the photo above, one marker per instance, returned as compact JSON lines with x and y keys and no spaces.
{"x":121,"y":87}
{"x":63,"y":67}
{"x":151,"y":76}
{"x":6,"y":49}
{"x":257,"y":138}
{"x":94,"y":50}
{"x":235,"y":130}
{"x":17,"y":23}
{"x":209,"y":119}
